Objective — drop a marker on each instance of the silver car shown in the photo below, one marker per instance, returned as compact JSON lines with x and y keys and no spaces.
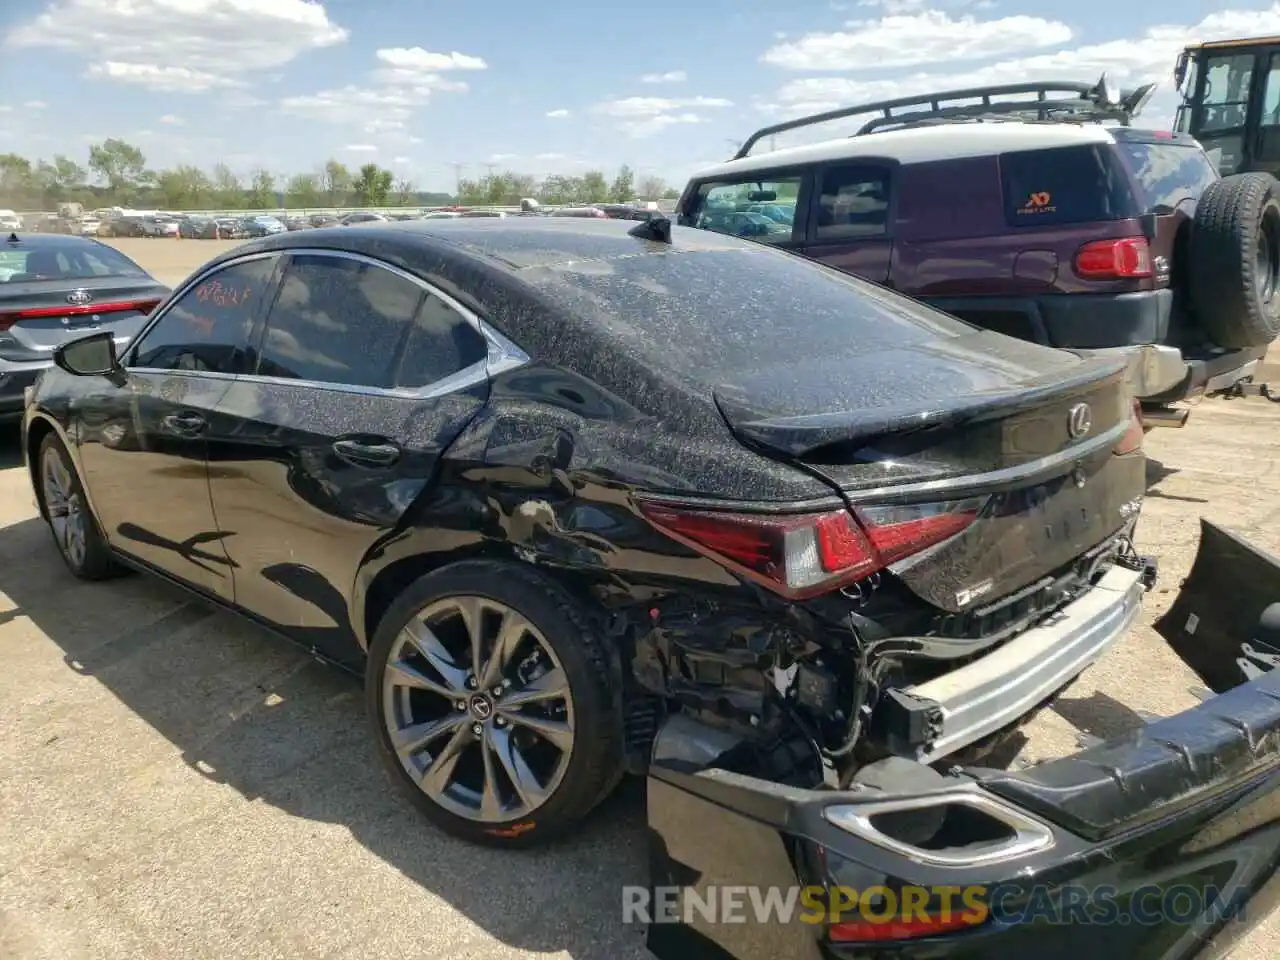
{"x":55,"y":288}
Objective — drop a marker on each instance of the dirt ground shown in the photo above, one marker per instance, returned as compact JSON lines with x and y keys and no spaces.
{"x":177,"y":783}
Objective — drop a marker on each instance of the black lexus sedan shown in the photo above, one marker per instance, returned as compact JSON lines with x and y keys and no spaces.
{"x":55,"y":288}
{"x":582,"y":497}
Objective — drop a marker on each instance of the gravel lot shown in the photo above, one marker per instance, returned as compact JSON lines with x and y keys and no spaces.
{"x":177,"y":783}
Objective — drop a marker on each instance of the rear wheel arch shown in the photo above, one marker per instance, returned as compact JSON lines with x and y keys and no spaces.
{"x":39,"y":428}
{"x":582,"y":643}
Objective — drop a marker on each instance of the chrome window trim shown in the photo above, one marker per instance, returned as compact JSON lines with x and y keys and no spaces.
{"x":502,"y":354}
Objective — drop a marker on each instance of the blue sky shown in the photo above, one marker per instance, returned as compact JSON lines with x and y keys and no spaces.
{"x":539,"y":87}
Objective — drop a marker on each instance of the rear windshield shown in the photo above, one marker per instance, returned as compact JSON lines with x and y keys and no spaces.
{"x":732,"y":310}
{"x":1167,"y":173}
{"x":64,"y":262}
{"x":1079,"y":184}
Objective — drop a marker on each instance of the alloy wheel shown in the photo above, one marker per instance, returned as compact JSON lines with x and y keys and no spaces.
{"x":478,"y":709}
{"x":65,"y":508}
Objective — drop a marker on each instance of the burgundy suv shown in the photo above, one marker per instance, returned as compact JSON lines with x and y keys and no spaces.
{"x":1031,"y":218}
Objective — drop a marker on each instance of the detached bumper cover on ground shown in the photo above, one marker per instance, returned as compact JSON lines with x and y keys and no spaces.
{"x":1163,"y":843}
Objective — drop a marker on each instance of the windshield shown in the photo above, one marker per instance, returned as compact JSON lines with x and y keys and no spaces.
{"x":36,"y":263}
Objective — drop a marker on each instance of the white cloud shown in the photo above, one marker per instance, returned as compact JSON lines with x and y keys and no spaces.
{"x":1129,"y":61}
{"x":187,"y":46}
{"x":652,"y":106}
{"x":671,"y":76}
{"x":422,"y":68}
{"x":549,"y":156}
{"x":175,"y":79}
{"x":502,"y":157}
{"x":35,"y":105}
{"x":904,"y":40}
{"x":363,"y":105}
{"x":361,"y":148}
{"x":398,"y":89}
{"x":413,"y":139}
{"x":558,"y":114}
{"x":172,"y":120}
{"x":648,"y":126}
{"x":400,"y":160}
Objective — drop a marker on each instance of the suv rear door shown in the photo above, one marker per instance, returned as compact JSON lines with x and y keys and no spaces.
{"x":851,"y":215}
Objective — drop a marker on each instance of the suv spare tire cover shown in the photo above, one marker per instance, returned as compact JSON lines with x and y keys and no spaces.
{"x":1234,"y":268}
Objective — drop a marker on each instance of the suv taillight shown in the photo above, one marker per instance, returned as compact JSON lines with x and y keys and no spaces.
{"x":802,"y":555}
{"x":1122,"y":259}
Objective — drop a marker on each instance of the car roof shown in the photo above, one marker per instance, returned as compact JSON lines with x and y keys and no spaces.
{"x":29,"y":240}
{"x":943,"y":141}
{"x":521,"y":242}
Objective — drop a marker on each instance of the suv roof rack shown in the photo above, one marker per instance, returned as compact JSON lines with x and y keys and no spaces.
{"x":1071,"y":101}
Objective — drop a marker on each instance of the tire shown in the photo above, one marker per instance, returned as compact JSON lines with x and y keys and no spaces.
{"x":75,"y":532}
{"x":1234,"y":260}
{"x":566,"y":784}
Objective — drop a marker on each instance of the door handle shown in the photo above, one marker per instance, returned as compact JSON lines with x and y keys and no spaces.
{"x":186,"y":422}
{"x":366,"y":454}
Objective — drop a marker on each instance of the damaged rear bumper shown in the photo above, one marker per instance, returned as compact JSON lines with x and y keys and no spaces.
{"x":1162,"y":843}
{"x":995,"y":690}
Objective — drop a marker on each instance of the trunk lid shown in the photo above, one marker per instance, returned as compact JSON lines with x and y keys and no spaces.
{"x":1029,"y":430}
{"x":36,"y":316}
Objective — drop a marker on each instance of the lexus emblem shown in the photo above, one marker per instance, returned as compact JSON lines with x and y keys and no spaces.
{"x":1079,"y":420}
{"x":79,"y":298}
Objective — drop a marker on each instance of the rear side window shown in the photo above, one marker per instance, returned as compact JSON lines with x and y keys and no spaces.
{"x":853,"y":201}
{"x":1168,"y":173}
{"x":1078,"y":184}
{"x":763,"y":210}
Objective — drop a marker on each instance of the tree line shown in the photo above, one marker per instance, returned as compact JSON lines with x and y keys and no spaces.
{"x":116,"y":174}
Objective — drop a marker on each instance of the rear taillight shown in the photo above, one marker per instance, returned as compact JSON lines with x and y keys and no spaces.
{"x":1121,"y":259}
{"x":802,"y":555}
{"x":10,"y":317}
{"x":1131,"y":442}
{"x":907,"y":928}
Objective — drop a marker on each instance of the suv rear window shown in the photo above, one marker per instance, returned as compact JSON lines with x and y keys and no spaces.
{"x":1078,"y":184}
{"x":1168,"y":173}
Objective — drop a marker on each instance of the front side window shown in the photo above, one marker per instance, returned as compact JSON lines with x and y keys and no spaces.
{"x":853,"y":202}
{"x":208,"y":327}
{"x":343,"y":321}
{"x":763,"y":210}
{"x":1078,"y":184}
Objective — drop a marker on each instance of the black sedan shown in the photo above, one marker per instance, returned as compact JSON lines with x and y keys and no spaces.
{"x":198,"y":228}
{"x":584,"y":497}
{"x":55,"y":288}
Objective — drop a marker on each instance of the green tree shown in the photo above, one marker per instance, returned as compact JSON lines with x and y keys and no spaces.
{"x":405,"y":191}
{"x":120,"y":164}
{"x":372,"y":186}
{"x":17,"y":186}
{"x":183,"y":188}
{"x":335,"y":182}
{"x":652,"y":188}
{"x":557,"y":189}
{"x":61,"y":176}
{"x":303,"y":190}
{"x":228,"y":192}
{"x":594,"y":187}
{"x":624,"y":185}
{"x":262,"y":190}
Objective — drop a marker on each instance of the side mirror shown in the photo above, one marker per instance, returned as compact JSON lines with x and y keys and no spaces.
{"x":91,"y":356}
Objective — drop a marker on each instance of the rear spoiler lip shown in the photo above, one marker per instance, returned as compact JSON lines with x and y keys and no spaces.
{"x":797,"y":436}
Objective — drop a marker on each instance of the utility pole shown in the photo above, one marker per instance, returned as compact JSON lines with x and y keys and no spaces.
{"x":457,"y":178}
{"x":491,"y":167}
